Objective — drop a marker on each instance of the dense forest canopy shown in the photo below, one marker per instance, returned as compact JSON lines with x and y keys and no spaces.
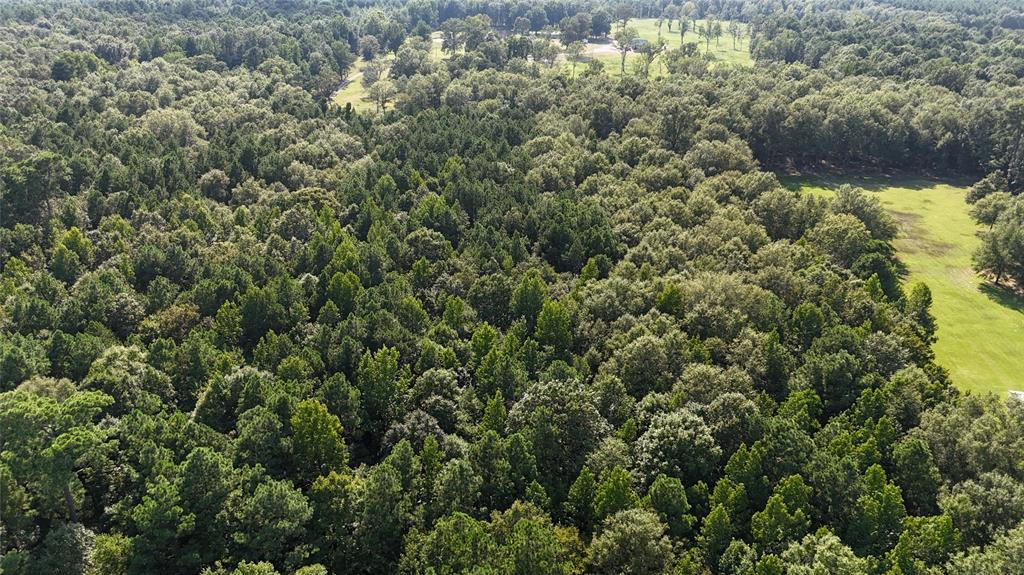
{"x":521,"y":319}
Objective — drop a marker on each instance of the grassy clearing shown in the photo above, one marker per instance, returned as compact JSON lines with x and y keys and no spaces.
{"x":353,"y":92}
{"x":723,"y":50}
{"x":980,"y":327}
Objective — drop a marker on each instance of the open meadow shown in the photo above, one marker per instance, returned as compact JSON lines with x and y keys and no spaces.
{"x":724,"y":49}
{"x":354,"y":92}
{"x":980,"y":327}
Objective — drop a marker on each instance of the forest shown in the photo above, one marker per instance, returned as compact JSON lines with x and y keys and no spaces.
{"x":529,"y":311}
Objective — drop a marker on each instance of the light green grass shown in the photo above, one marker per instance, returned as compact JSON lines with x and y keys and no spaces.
{"x":980,"y":336}
{"x":353,"y":92}
{"x":722,"y":51}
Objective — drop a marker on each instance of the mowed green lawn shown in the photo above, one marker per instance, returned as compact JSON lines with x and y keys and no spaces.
{"x":722,"y":51}
{"x":980,"y":327}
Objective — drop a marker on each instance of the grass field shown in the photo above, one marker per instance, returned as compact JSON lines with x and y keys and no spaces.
{"x":353,"y":92}
{"x":721,"y":50}
{"x":647,"y":28}
{"x":980,"y":327}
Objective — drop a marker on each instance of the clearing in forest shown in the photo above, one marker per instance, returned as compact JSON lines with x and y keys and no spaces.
{"x":352,"y":91}
{"x":724,"y":49}
{"x":980,"y":327}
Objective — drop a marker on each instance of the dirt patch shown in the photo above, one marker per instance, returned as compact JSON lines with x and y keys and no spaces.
{"x":963,"y":278}
{"x":906,"y":219}
{"x":601,"y":49}
{"x":1008,"y":292}
{"x":915,"y":238}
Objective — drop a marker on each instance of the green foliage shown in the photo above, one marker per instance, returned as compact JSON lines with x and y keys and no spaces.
{"x":925,"y":542}
{"x":528,"y":298}
{"x":383,"y":519}
{"x":457,"y":488}
{"x":715,"y":534}
{"x":553,"y":327}
{"x":1002,"y":250}
{"x":822,"y":551}
{"x":317,"y":441}
{"x":785,"y":518}
{"x":631,"y":541}
{"x":1003,"y":556}
{"x":110,"y":555}
{"x":878,"y":519}
{"x":614,"y":494}
{"x":520,"y":318}
{"x":379,"y":381}
{"x":579,"y":503}
{"x":495,"y":416}
{"x":457,"y":543}
{"x":71,"y":65}
{"x":984,"y":507}
{"x":668,"y":499}
{"x":678,"y":444}
{"x":916,"y":474}
{"x":559,"y":418}
{"x":343,"y":291}
{"x":500,"y":373}
{"x":50,"y":438}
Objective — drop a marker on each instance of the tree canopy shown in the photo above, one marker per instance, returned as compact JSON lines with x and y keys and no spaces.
{"x":520,"y":319}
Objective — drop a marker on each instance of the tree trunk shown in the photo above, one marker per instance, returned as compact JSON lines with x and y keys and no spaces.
{"x":70,"y":502}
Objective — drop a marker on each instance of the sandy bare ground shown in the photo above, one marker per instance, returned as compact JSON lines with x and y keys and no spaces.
{"x":601,"y":49}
